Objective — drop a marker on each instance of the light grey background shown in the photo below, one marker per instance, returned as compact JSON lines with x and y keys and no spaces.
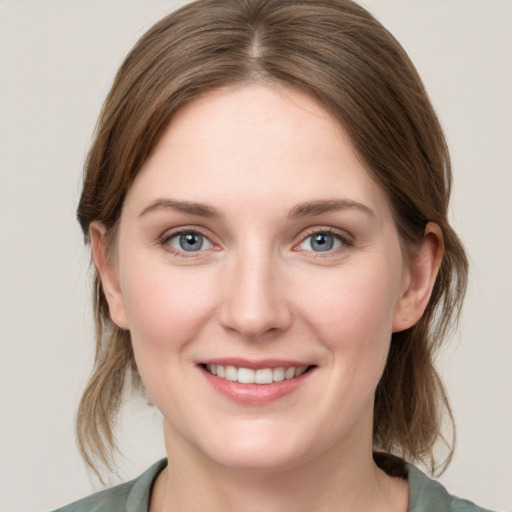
{"x":57,"y":60}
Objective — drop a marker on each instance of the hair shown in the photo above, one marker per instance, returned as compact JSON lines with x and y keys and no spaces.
{"x":338,"y":53}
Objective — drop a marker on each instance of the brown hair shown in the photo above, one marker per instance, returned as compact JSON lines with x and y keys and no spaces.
{"x":335,"y":51}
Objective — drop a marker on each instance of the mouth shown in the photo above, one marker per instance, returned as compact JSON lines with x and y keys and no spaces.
{"x":256,"y":383}
{"x":244,"y":375}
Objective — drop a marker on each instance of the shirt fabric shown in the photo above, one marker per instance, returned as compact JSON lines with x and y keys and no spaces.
{"x":425,"y":495}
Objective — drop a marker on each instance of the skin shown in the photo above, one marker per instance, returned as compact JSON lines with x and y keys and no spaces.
{"x":254,"y":155}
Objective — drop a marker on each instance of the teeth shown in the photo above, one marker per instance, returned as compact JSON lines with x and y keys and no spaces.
{"x":289,"y":373}
{"x":299,"y":371}
{"x":261,"y":376}
{"x":231,"y":373}
{"x":245,"y":375}
{"x":278,"y":374}
{"x":264,"y":376}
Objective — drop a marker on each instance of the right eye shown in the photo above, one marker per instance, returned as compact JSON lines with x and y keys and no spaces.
{"x":189,"y":241}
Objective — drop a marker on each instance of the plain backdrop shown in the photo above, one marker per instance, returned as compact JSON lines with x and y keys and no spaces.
{"x":57,"y":61}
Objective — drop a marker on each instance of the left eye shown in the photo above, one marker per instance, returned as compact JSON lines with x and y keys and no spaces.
{"x":321,"y":242}
{"x":189,"y":242}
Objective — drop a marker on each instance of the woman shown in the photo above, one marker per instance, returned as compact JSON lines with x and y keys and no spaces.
{"x":266,"y":201}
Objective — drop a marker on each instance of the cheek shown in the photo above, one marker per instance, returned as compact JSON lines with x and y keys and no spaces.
{"x":352,"y":314}
{"x":355,"y":301}
{"x":166,"y":309}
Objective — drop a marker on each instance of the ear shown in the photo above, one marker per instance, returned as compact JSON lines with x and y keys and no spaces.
{"x":108,"y":274}
{"x":421,"y":276}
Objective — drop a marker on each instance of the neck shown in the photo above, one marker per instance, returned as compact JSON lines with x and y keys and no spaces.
{"x":344,"y":478}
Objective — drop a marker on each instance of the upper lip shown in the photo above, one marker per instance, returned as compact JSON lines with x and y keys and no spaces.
{"x":255,"y":364}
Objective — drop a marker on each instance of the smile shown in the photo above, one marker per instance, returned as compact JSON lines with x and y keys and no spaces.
{"x":259,"y":376}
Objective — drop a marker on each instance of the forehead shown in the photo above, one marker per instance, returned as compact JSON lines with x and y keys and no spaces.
{"x":256,"y":143}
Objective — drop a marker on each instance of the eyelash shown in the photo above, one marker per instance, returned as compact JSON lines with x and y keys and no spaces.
{"x":165,"y":239}
{"x":345,"y":240}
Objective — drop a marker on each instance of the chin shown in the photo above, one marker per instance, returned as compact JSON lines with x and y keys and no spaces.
{"x":257,"y":459}
{"x":259,"y":450}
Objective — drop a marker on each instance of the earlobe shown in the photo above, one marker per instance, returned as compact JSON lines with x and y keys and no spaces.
{"x":108,"y":274}
{"x":424,"y":266}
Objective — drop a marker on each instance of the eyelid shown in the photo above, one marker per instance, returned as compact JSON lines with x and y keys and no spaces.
{"x":345,"y":239}
{"x":184,"y":230}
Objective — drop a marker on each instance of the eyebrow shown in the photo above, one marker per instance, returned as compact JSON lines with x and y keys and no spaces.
{"x":307,"y":209}
{"x":188,"y":207}
{"x":312,"y":208}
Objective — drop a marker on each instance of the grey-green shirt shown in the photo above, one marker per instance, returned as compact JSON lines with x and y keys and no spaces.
{"x":425,"y":495}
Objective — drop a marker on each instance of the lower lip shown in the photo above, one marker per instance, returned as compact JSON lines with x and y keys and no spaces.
{"x":255,"y":394}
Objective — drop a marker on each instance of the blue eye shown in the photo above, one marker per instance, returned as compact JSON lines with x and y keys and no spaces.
{"x":321,"y":242}
{"x":189,"y":241}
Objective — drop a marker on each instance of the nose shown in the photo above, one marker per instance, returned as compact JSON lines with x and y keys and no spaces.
{"x":254,"y":300}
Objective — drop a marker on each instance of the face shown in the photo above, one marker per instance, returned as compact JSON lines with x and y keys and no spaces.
{"x":259,"y":271}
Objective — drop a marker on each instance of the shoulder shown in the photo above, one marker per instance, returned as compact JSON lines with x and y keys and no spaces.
{"x":427,"y":495}
{"x":132,"y":496}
